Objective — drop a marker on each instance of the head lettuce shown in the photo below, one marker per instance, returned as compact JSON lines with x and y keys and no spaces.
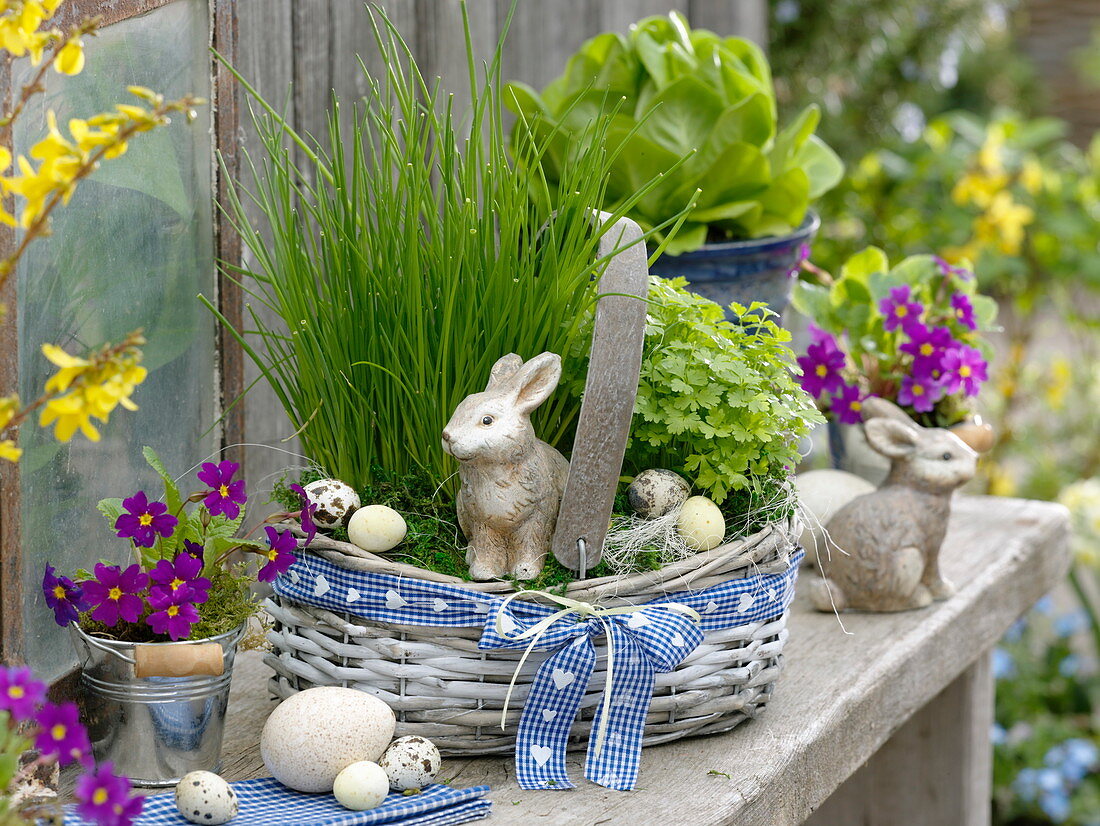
{"x":673,"y":93}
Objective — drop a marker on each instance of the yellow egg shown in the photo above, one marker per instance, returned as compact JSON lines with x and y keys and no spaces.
{"x":701,"y":524}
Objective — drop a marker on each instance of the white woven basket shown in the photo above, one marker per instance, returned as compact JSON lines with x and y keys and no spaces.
{"x":442,"y":687}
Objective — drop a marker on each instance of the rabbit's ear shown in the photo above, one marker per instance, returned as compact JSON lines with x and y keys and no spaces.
{"x":536,"y":380}
{"x":878,"y":408}
{"x":891,"y":438}
{"x":503,"y":370}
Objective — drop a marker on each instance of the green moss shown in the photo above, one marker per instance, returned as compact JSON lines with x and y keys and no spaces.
{"x":435,"y":542}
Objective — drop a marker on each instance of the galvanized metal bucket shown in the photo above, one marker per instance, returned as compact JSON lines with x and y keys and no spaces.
{"x":153,"y":729}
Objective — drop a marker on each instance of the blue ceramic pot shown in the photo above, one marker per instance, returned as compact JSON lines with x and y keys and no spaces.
{"x":743,"y":271}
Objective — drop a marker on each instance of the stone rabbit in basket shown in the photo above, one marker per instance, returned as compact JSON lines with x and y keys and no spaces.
{"x":892,"y":535}
{"x":512,"y":481}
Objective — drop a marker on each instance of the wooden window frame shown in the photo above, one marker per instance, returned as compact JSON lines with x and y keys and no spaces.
{"x":227,"y":251}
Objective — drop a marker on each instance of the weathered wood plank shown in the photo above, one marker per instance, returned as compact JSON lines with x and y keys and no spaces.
{"x":745,"y":18}
{"x":840,"y":699}
{"x":543,"y":36}
{"x":936,"y":769}
{"x":610,"y":390}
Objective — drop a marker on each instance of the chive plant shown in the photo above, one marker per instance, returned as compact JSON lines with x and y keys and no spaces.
{"x":404,"y":261}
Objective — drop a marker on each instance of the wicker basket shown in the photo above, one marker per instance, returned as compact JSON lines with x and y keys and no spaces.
{"x":443,"y":687}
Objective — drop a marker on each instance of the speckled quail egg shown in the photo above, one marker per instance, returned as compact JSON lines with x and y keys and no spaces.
{"x":377,"y":528}
{"x":361,"y":786}
{"x":314,"y":735}
{"x":701,"y":524}
{"x":203,"y":797}
{"x":410,"y":763}
{"x":336,"y":501}
{"x":657,"y":492}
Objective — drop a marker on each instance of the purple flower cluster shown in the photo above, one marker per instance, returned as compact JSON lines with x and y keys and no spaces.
{"x":59,"y":736}
{"x":822,"y":373}
{"x":165,"y":597}
{"x":938,"y":363}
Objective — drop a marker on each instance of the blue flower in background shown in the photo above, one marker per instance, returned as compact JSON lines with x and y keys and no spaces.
{"x":1069,"y":666}
{"x":1045,"y":605}
{"x":1016,"y":630}
{"x":1056,"y":805}
{"x":1003,"y":664}
{"x":787,"y":11}
{"x":1070,"y":624}
{"x":1073,"y":759}
{"x":997,"y":734}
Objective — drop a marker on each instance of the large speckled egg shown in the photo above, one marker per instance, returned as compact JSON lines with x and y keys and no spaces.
{"x":314,"y":735}
{"x":361,"y":786}
{"x":410,"y":763}
{"x":657,"y":492}
{"x":701,"y":524}
{"x":203,"y":797}
{"x":377,"y":528}
{"x":336,"y":501}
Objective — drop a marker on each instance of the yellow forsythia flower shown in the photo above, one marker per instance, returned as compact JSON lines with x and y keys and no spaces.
{"x":9,"y":405}
{"x":70,"y":60}
{"x":978,"y":188}
{"x":1061,"y":376}
{"x":1031,"y":175}
{"x":71,"y":367}
{"x":1003,"y":224}
{"x":96,"y":388}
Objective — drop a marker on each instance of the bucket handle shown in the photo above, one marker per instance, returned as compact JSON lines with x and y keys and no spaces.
{"x":92,"y":641}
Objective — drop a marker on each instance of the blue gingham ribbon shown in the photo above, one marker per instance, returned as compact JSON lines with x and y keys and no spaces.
{"x":642,"y":641}
{"x":265,"y":802}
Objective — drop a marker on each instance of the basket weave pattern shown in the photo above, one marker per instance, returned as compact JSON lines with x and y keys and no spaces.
{"x":441,"y":686}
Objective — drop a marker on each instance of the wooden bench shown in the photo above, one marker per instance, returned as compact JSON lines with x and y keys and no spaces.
{"x":886,"y":723}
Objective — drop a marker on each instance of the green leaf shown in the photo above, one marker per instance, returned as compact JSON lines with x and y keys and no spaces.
{"x":791,"y":139}
{"x":786,"y":202}
{"x":985,"y":311}
{"x":111,"y":509}
{"x":821,"y":165}
{"x":812,"y":301}
{"x":681,"y":115}
{"x":863,"y":263}
{"x":165,"y":547}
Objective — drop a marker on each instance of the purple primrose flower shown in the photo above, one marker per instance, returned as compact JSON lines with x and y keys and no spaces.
{"x":104,"y":798}
{"x":20,"y":692}
{"x":309,"y":527}
{"x":280,"y":556}
{"x":115,"y":593}
{"x":64,"y":596}
{"x":226,"y":495}
{"x":847,"y":405}
{"x":821,"y":367}
{"x":949,"y":269}
{"x":963,"y":310}
{"x":144,"y":520}
{"x":964,"y":369}
{"x":173,"y":615}
{"x":898,"y":310}
{"x":919,"y":392}
{"x":180,"y":576}
{"x":60,"y":733}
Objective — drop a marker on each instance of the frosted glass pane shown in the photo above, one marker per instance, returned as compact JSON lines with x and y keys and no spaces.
{"x":132,"y":249}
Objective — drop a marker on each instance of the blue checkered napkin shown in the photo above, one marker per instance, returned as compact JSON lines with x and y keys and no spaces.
{"x":265,"y":802}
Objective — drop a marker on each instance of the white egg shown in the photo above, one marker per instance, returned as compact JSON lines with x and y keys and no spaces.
{"x":335,"y":501}
{"x":410,"y":763}
{"x":701,"y":524}
{"x":657,"y":492}
{"x":361,"y":786}
{"x":377,"y":528}
{"x":203,"y":797}
{"x":315,"y":734}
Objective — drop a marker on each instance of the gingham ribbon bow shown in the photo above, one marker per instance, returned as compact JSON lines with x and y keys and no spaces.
{"x":641,"y":642}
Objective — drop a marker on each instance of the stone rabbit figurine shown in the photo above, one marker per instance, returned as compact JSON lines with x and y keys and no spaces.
{"x":512,"y":482}
{"x":892,"y":535}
